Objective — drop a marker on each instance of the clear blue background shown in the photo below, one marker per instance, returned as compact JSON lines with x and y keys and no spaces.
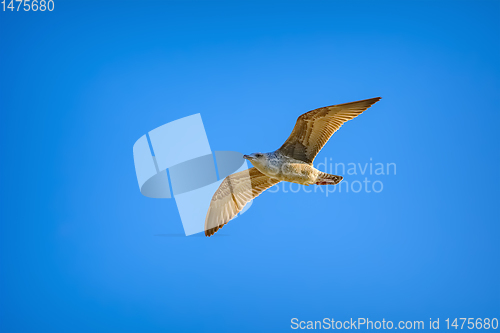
{"x":81,"y":250}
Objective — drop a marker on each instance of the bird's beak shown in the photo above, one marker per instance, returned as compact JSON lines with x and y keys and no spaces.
{"x":246,"y":157}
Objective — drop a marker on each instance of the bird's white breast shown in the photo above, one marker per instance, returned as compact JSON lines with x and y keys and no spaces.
{"x":290,"y":170}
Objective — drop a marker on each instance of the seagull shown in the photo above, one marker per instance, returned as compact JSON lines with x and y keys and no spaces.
{"x":292,"y":162}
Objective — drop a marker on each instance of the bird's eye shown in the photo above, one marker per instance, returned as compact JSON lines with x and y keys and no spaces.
{"x":258,"y":155}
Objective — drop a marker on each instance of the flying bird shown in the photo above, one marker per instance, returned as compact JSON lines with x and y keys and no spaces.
{"x":292,"y":162}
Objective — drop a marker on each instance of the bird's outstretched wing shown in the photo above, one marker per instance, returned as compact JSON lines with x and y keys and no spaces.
{"x":233,"y":194}
{"x":314,"y":128}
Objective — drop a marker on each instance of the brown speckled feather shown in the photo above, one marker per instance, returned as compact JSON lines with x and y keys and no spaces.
{"x":314,"y":128}
{"x":233,"y":194}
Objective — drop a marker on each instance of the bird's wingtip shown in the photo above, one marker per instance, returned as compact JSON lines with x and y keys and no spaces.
{"x":373,"y":100}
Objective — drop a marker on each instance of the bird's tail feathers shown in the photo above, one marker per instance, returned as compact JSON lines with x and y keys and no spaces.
{"x":327,"y":179}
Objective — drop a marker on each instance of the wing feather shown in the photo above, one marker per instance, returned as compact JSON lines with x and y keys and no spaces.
{"x":233,"y":194}
{"x":314,"y":128}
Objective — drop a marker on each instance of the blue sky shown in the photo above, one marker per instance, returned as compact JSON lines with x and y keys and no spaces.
{"x":81,"y":250}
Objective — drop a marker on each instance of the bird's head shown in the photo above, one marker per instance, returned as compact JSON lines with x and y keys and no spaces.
{"x":256,"y":158}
